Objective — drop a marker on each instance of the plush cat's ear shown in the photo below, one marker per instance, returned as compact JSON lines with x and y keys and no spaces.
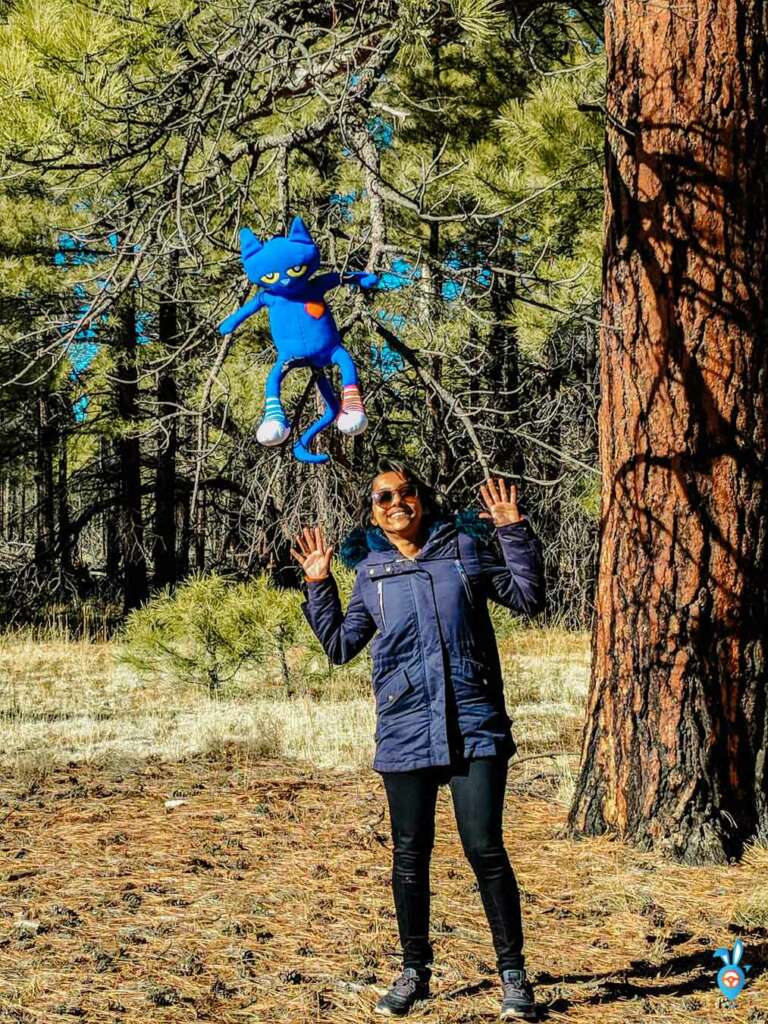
{"x":249,"y":243}
{"x":299,"y":232}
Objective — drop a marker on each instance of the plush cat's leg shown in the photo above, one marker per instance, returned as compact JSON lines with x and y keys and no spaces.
{"x":352,"y":419}
{"x":301,"y":448}
{"x":274,"y":428}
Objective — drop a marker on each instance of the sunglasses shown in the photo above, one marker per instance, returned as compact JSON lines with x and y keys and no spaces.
{"x":385,"y":498}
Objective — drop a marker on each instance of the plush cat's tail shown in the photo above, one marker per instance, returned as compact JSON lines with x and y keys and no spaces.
{"x":301,"y":447}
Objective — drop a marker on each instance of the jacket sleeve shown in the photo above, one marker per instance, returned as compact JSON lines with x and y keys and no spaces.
{"x":341,"y":636}
{"x":518,"y":584}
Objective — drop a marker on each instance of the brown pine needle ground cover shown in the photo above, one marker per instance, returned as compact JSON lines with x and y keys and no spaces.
{"x":261,"y":893}
{"x":265,"y":897}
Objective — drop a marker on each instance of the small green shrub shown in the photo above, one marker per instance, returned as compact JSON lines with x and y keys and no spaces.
{"x":506,"y":624}
{"x":210,"y":628}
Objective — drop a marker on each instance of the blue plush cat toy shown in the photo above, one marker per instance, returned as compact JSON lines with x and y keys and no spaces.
{"x":303,"y":331}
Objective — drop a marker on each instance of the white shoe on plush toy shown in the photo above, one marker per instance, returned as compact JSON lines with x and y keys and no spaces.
{"x":272,"y":432}
{"x":352,"y":422}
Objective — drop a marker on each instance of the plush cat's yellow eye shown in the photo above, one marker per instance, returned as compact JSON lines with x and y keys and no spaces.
{"x":272,"y":278}
{"x":297,"y":271}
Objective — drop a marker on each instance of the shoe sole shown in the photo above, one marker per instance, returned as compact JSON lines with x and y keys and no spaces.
{"x":529,"y":1015}
{"x":384,"y":1012}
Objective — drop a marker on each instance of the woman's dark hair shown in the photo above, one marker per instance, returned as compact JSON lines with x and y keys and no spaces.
{"x":431,"y":502}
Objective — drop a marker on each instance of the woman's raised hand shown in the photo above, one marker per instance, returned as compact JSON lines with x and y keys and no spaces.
{"x":313,"y":555}
{"x":500,"y":502}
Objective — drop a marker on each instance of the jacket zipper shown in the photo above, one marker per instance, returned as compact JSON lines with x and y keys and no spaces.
{"x":380,"y":587}
{"x":464,"y":581}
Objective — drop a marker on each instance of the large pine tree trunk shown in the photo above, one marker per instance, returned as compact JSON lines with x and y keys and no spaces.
{"x":675,"y":747}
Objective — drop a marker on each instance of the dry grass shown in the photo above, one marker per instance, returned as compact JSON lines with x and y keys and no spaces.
{"x":265,"y":897}
{"x":62,"y":703}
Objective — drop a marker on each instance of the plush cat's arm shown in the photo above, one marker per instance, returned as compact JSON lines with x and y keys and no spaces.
{"x":361,"y":278}
{"x":232,"y":322}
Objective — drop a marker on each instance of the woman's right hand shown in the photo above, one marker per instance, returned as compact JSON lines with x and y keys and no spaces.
{"x":313,"y":554}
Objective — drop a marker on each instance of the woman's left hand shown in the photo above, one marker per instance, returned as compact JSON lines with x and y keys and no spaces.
{"x":500,"y":502}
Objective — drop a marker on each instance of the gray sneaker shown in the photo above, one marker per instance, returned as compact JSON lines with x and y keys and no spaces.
{"x":407,"y":989}
{"x":518,"y":1002}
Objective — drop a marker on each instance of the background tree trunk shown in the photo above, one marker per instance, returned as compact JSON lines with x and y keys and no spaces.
{"x":111,"y":539}
{"x":501,"y":377}
{"x":167,"y":442}
{"x":135,"y":588}
{"x":674,"y":752}
{"x":183,"y":529}
{"x":165,"y":484}
{"x":44,"y":488}
{"x":64,"y":543}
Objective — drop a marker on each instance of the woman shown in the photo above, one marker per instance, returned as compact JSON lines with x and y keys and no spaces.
{"x":423,"y":580}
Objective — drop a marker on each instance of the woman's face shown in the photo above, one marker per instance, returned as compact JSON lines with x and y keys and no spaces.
{"x":396,"y":506}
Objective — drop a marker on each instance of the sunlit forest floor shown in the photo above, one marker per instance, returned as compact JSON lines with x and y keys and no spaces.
{"x":168,"y":857}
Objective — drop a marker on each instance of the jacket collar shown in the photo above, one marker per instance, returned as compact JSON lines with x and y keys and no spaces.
{"x":440,"y":542}
{"x":439,"y":533}
{"x":371,"y":545}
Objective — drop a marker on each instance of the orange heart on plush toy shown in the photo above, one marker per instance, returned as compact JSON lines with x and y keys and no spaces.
{"x":315,"y":309}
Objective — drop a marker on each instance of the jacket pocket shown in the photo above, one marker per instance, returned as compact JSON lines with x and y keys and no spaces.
{"x":390,"y":692}
{"x":380,"y":590}
{"x":469,"y":673}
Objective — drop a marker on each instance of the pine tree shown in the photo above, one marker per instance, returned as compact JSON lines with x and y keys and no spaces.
{"x":157,"y":138}
{"x":676,"y":746}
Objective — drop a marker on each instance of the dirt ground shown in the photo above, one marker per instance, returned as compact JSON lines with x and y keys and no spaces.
{"x":265,"y":897}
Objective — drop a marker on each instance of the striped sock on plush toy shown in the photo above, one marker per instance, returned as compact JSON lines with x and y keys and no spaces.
{"x":274,"y":428}
{"x":351,"y":400}
{"x":352,"y":419}
{"x":274,"y":411}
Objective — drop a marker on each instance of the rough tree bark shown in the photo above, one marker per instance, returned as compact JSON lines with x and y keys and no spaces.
{"x":674,"y":752}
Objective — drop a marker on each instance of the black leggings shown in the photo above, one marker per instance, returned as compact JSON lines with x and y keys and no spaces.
{"x":477,"y":788}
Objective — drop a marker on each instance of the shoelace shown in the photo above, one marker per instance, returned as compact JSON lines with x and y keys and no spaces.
{"x":405,"y":984}
{"x":511,"y":987}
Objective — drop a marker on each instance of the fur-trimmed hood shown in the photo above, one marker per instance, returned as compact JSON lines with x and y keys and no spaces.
{"x":360,"y":541}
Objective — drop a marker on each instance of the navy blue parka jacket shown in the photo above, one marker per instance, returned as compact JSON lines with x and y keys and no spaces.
{"x":436,"y":674}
